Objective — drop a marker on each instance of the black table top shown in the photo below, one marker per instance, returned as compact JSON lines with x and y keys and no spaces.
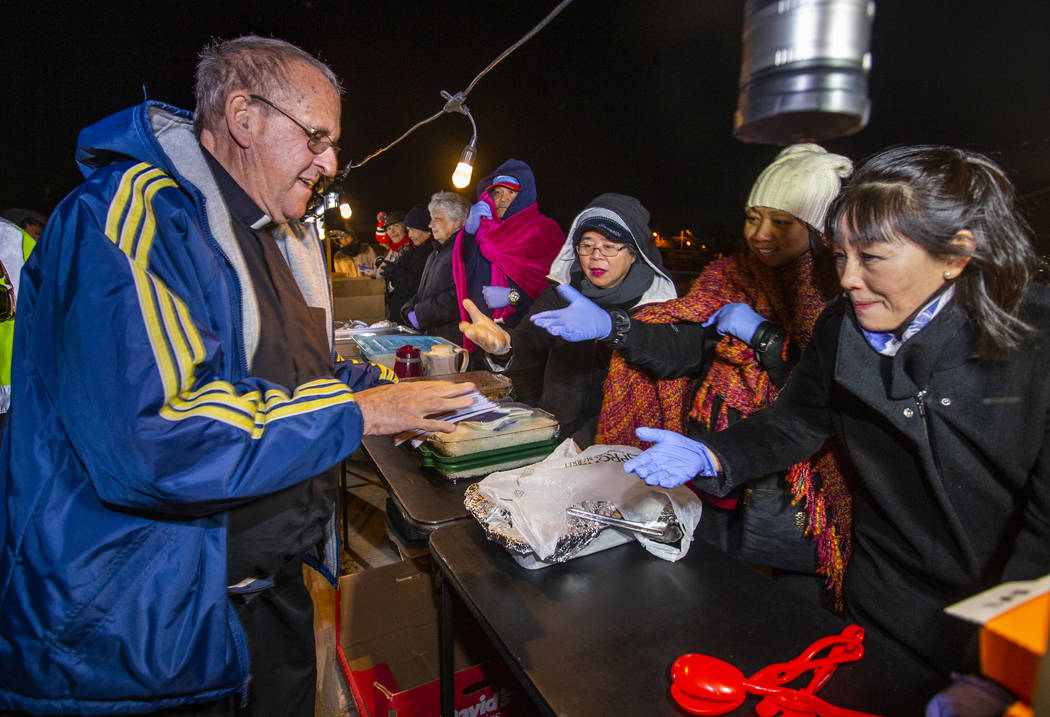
{"x":428,"y":499}
{"x":598,"y":635}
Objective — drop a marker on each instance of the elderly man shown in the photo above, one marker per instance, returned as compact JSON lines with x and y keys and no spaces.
{"x":176,"y":407}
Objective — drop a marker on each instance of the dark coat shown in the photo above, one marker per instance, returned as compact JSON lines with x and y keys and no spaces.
{"x":437,"y":310}
{"x":953,"y":459}
{"x":573,"y":373}
{"x":402,"y":277}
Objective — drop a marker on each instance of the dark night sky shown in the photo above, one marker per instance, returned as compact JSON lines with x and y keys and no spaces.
{"x":614,"y":95}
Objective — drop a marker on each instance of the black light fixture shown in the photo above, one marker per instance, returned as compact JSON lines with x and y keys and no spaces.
{"x":465,"y":167}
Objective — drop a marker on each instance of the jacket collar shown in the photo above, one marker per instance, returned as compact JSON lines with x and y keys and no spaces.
{"x":946,"y":342}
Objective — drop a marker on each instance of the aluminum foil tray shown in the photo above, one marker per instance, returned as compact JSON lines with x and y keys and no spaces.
{"x":581,"y":533}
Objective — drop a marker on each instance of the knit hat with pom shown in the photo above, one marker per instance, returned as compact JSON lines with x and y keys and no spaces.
{"x":802,"y":181}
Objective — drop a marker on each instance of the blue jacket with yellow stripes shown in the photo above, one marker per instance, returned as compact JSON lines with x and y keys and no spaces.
{"x":136,"y":424}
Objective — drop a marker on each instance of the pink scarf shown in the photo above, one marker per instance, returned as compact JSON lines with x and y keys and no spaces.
{"x":520,"y":248}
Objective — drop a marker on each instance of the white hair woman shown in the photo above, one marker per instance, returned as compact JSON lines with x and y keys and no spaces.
{"x":434,"y":308}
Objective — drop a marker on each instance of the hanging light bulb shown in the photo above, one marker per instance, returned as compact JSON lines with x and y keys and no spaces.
{"x":461,"y":177}
{"x":345,"y":211}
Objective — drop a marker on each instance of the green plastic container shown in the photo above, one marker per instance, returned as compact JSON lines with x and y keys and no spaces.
{"x":482,"y":463}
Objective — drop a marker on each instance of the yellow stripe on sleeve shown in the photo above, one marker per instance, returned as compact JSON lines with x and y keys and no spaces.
{"x":177,"y":345}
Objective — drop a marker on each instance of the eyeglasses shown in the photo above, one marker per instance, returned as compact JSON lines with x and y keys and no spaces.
{"x":317,"y":140}
{"x":606,"y":250}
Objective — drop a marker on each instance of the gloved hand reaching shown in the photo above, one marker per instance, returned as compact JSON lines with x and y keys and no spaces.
{"x":413,"y":320}
{"x":674,"y":459}
{"x":483,"y":331}
{"x":479,"y":210}
{"x":581,"y":320}
{"x":738,"y":320}
{"x":496,"y":296}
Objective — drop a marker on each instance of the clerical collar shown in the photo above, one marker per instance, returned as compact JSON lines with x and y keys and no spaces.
{"x":241,"y":206}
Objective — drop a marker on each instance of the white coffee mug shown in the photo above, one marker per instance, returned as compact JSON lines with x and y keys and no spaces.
{"x":442,"y":358}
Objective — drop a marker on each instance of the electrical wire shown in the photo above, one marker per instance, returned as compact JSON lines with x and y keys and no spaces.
{"x":454,"y":103}
{"x":543,"y":23}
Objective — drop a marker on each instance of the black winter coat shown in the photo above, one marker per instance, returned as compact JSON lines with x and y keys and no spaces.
{"x":435,"y":304}
{"x":953,"y":459}
{"x":573,"y":373}
{"x":402,"y":278}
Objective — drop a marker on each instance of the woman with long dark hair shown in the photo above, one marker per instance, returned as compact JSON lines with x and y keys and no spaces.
{"x":932,"y":371}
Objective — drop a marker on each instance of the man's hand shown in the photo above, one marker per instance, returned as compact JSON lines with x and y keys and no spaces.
{"x":483,"y":331}
{"x":479,"y":210}
{"x":392,"y":408}
{"x":496,"y":296}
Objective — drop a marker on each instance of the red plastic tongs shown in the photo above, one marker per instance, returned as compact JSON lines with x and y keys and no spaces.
{"x":705,"y":685}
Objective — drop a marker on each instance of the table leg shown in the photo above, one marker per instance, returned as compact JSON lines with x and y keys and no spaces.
{"x":446,"y":621}
{"x":342,"y":501}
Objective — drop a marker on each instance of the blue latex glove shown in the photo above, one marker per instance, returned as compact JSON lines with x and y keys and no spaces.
{"x":479,"y":210}
{"x":738,"y":320}
{"x":413,"y":320}
{"x":581,"y":320}
{"x":496,"y":296}
{"x":674,"y":459}
{"x":969,"y":696}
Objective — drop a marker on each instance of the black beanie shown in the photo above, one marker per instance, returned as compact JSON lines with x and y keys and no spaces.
{"x":418,"y":218}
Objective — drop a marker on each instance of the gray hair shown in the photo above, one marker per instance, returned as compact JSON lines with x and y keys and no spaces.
{"x":452,"y":205}
{"x":260,"y":65}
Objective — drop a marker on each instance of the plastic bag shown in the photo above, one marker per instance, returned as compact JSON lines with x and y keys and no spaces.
{"x":536,"y":496}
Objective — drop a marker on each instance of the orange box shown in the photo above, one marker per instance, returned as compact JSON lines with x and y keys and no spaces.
{"x":1016,"y":619}
{"x":1013,"y":643}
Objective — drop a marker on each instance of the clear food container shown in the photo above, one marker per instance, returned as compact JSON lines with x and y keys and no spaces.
{"x":523,"y":424}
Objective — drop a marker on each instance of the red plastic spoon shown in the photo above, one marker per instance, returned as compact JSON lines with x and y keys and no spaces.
{"x":705,"y":685}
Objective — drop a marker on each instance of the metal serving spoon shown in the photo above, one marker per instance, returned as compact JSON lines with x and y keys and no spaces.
{"x":660,"y":532}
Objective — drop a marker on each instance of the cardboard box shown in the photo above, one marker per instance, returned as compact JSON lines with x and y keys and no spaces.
{"x":358,"y":286}
{"x":362,"y":298}
{"x":387,"y":637}
{"x":1015,"y":618}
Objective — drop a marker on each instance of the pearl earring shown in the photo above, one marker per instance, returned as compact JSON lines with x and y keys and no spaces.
{"x":947,"y":274}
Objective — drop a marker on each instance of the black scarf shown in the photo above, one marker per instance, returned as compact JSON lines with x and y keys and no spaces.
{"x":626,"y":293}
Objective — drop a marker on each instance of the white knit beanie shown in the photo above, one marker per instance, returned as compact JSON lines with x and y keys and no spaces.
{"x":802,"y":181}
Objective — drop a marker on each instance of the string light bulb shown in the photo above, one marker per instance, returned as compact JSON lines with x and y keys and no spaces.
{"x":465,"y":168}
{"x":344,"y":210}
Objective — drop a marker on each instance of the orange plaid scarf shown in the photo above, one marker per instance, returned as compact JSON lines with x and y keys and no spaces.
{"x":786,"y":296}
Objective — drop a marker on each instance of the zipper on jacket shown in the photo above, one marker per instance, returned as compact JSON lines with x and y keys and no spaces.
{"x":920,"y":400}
{"x":920,"y":404}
